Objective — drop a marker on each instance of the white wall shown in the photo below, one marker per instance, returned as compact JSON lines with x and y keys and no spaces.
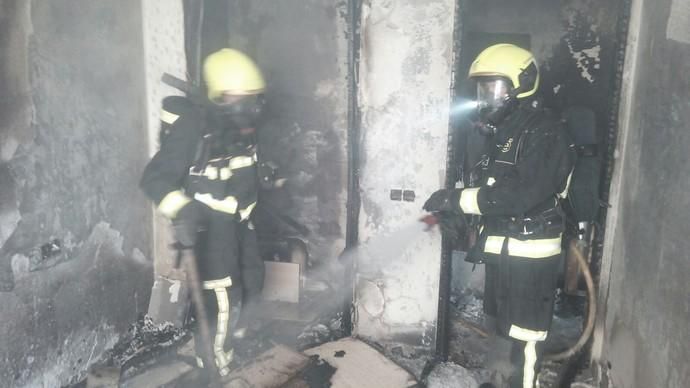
{"x":404,"y":97}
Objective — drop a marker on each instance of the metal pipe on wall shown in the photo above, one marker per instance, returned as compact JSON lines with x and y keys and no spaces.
{"x":442,"y":334}
{"x":353,"y":140}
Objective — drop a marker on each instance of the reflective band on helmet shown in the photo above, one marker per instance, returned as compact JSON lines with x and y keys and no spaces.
{"x":168,"y":117}
{"x":522,"y":334}
{"x":533,"y":249}
{"x":227,"y":205}
{"x":468,"y":201}
{"x":172,"y":203}
{"x":246,"y":212}
{"x":241,"y":162}
{"x":528,"y":372}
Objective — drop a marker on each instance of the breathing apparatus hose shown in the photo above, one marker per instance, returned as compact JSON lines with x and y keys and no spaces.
{"x":591,"y":311}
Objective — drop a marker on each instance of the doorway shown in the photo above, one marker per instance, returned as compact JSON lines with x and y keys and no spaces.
{"x":580,"y":48}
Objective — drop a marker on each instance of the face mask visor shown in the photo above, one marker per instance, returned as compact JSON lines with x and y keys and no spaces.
{"x":492,"y":93}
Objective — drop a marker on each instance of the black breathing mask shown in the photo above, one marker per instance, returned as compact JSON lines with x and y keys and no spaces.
{"x":242,"y":114}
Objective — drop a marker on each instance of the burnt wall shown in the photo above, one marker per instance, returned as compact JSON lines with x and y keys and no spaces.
{"x":647,"y":314}
{"x":302,"y":49}
{"x":74,"y":229}
{"x":573,"y":41}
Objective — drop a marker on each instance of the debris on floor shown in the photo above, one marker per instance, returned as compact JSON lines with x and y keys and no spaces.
{"x":449,"y":375}
{"x":145,"y":346}
{"x":326,"y":329}
{"x":413,"y":359}
{"x":317,"y":374}
{"x":469,"y":344}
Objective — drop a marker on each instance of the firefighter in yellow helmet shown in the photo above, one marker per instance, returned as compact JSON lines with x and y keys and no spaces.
{"x":525,"y":167}
{"x":204,"y":178}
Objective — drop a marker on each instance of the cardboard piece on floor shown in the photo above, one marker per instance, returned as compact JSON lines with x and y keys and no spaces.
{"x":281,"y":282}
{"x":271,"y":369}
{"x":361,"y":366}
{"x":169,"y":301}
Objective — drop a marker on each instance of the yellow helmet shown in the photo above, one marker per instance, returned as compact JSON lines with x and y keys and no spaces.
{"x":232,"y":72}
{"x":509,"y":61}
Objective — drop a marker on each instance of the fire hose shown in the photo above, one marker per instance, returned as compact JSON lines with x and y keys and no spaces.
{"x":591,"y":310}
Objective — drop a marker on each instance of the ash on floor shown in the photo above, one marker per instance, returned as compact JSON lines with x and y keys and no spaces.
{"x":469,"y":343}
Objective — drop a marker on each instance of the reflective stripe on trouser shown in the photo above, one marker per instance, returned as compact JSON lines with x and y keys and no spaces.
{"x":530,"y":356}
{"x":525,"y":358}
{"x":219,"y":288}
{"x":533,"y":249}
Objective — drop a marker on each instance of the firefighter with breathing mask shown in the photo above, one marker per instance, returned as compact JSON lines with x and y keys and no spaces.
{"x":204,"y":178}
{"x":521,"y":177}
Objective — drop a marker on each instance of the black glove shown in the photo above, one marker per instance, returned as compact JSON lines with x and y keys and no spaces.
{"x":269,"y":177}
{"x":453,"y":226}
{"x":444,"y":200}
{"x":186,"y":223}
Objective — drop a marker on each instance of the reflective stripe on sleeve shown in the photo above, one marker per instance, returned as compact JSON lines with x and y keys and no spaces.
{"x":468,"y":201}
{"x":168,"y":117}
{"x":227,"y":205}
{"x":225,"y":173}
{"x":533,"y":249}
{"x":241,"y":162}
{"x":246,"y":212}
{"x":172,"y":203}
{"x":522,"y":334}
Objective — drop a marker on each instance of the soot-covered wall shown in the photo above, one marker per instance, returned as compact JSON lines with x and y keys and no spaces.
{"x":75,"y":231}
{"x":573,"y":41}
{"x":647,"y":316}
{"x":302,"y":49}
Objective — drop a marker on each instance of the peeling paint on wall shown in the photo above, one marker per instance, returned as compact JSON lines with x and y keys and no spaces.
{"x":583,"y":45}
{"x":63,"y":320}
